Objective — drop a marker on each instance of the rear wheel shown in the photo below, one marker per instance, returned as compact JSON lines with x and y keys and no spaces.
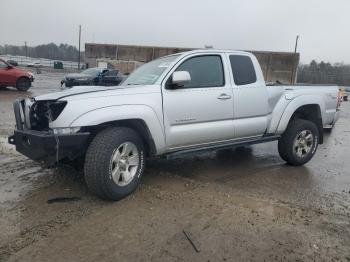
{"x":23,"y":84}
{"x":114,"y":163}
{"x":299,"y":143}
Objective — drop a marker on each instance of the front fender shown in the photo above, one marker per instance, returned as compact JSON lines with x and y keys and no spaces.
{"x":125,"y":112}
{"x":293,"y":105}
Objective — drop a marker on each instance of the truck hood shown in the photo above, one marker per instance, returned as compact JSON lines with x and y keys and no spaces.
{"x":77,"y":91}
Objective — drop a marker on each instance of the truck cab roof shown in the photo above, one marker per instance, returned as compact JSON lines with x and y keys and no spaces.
{"x":210,"y":50}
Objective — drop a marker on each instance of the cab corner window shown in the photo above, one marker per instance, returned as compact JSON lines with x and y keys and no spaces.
{"x":242,"y":69}
{"x":205,"y":71}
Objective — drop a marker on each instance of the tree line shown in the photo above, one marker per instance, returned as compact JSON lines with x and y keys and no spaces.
{"x":313,"y":73}
{"x":324,"y":73}
{"x":51,"y":51}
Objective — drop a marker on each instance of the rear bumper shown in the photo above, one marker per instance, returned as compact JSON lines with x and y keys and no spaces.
{"x":47,"y":147}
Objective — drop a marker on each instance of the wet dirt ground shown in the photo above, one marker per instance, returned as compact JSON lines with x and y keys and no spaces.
{"x":234,"y":205}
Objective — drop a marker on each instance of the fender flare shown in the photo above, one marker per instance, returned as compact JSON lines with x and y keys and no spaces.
{"x":126,"y":112}
{"x":293,"y":106}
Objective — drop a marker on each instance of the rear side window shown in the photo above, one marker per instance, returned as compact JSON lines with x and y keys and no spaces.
{"x":205,"y":71}
{"x":242,"y":69}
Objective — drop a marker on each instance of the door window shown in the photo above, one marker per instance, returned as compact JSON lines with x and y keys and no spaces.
{"x":242,"y":69}
{"x":205,"y":71}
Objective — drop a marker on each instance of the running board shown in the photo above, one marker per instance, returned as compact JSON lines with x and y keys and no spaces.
{"x":214,"y":147}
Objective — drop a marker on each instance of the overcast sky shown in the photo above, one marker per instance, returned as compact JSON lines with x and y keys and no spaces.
{"x":269,"y":25}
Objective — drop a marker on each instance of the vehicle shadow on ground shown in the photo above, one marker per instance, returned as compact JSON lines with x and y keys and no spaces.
{"x":245,"y":165}
{"x":202,"y":164}
{"x":223,"y":166}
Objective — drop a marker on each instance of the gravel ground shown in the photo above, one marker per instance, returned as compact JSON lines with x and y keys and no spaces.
{"x":234,"y":205}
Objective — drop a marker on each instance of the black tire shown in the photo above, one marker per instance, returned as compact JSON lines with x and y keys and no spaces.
{"x":286,"y":147}
{"x":98,"y":163}
{"x":23,"y":84}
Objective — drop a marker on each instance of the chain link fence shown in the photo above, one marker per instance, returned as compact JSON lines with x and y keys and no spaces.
{"x":25,"y":61}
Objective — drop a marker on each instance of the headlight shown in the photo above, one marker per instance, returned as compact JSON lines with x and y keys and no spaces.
{"x":66,"y":130}
{"x":56,"y":109}
{"x":30,"y":74}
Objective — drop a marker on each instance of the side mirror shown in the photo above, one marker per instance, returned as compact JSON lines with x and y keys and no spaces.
{"x":9,"y":67}
{"x":180,"y":78}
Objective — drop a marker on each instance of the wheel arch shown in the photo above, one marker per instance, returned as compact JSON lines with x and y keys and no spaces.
{"x":142,"y":118}
{"x":21,"y":77}
{"x":310,"y":111}
{"x":136,"y":124}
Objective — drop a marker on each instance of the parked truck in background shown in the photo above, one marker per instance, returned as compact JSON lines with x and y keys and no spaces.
{"x":197,"y":100}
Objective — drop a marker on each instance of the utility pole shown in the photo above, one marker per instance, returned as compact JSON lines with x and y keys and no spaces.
{"x":294,"y":72}
{"x":79,"y":46}
{"x":296,"y":44}
{"x":25,"y":47}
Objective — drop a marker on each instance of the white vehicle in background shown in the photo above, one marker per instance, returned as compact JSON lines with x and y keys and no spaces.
{"x":186,"y":102}
{"x":34,"y":64}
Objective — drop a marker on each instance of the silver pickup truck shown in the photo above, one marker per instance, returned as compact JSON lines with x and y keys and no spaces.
{"x":197,"y":100}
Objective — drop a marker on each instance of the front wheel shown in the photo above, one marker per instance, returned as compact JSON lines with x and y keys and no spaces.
{"x":299,"y":142}
{"x":23,"y":84}
{"x":114,"y":163}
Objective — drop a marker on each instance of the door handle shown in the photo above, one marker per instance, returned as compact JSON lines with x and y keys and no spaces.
{"x":224,"y":97}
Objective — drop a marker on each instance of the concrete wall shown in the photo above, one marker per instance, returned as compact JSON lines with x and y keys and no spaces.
{"x":278,"y":66}
{"x":281,"y":66}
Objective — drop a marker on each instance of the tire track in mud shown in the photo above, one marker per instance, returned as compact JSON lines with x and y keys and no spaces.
{"x":25,"y":217}
{"x":32,"y":234}
{"x":18,"y":177}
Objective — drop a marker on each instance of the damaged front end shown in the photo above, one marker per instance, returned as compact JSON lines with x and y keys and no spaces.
{"x":34,"y":138}
{"x":37,"y":115}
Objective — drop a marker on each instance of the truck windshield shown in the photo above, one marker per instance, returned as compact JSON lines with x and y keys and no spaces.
{"x":149,"y":73}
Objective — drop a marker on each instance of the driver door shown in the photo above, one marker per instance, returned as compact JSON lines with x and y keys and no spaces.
{"x":6,"y":78}
{"x":201,"y":112}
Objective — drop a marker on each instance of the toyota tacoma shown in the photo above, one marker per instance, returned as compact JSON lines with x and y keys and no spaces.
{"x":186,"y":102}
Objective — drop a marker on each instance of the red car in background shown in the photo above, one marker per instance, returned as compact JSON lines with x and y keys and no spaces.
{"x":13,"y":76}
